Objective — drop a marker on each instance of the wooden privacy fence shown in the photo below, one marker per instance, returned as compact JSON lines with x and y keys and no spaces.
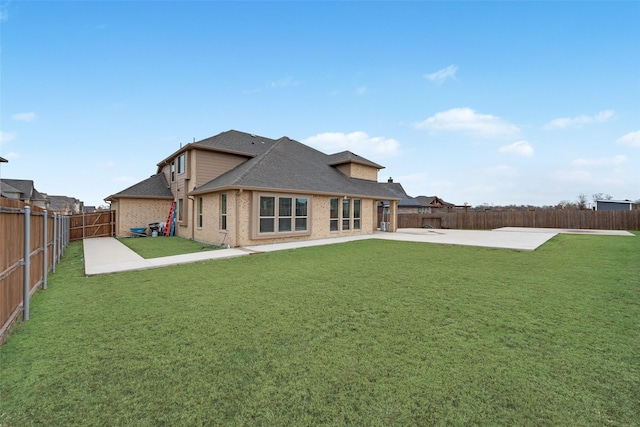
{"x":31,"y":243}
{"x":487,"y":220}
{"x":95,"y":224}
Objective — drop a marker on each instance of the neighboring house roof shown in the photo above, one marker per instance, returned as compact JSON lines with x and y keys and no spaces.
{"x":26,"y":189}
{"x":614,"y":201}
{"x":292,"y":166}
{"x":9,"y":191}
{"x":155,"y":186}
{"x":397,"y":189}
{"x":62,"y":203}
{"x":432,"y":201}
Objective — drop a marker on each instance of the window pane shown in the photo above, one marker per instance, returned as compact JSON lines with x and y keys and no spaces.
{"x":180,"y":209}
{"x":301,"y":224}
{"x":266,"y":225}
{"x":284,"y":208}
{"x":345,"y":224}
{"x":334,"y":212}
{"x":223,"y":223}
{"x":356,"y":214}
{"x":223,"y":204}
{"x":333,"y":225}
{"x":181,"y":163}
{"x":301,"y":207}
{"x":267,"y":205}
{"x":284,"y":224}
{"x":346,"y":204}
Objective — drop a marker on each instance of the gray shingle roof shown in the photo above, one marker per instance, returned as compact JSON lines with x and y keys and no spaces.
{"x":155,"y":186}
{"x":26,"y":188}
{"x":349,"y":157}
{"x":432,"y":201}
{"x":292,"y":166}
{"x":397,"y":189}
{"x":231,"y":141}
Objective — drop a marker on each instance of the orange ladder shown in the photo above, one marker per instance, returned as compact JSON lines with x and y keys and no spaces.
{"x":168,"y":228}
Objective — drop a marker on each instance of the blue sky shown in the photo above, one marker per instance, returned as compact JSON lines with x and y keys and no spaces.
{"x":475,"y":102}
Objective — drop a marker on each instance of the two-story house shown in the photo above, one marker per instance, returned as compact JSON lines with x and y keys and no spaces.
{"x":241,"y":189}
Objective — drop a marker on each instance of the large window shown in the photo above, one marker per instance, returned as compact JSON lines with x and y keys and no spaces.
{"x":356,"y":214}
{"x":346,"y":218}
{"x":301,"y":214}
{"x":223,"y":211}
{"x":283,"y":214}
{"x":173,"y":171}
{"x":180,"y":209}
{"x":334,"y":215}
{"x":181,"y":163}
{"x":200,"y":216}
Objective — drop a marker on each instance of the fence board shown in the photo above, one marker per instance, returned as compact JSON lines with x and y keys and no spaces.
{"x":12,"y":227}
{"x":95,"y":224}
{"x":491,"y":219}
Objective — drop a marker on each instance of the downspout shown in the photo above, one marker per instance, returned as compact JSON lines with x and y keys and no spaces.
{"x":193,"y":216}
{"x":237,"y":219}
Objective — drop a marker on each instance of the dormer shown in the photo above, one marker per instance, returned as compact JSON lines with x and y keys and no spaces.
{"x":354,"y":166}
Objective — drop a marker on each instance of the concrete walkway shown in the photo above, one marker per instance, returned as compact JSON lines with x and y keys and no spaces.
{"x":105,"y":255}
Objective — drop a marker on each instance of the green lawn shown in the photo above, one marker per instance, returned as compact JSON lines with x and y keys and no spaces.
{"x":155,"y":247}
{"x":366,"y":333}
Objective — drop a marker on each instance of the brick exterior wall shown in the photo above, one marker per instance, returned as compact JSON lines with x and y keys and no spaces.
{"x":132,"y":213}
{"x":240,"y":233}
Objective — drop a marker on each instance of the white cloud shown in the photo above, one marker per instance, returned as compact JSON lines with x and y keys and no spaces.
{"x":357,"y":142}
{"x":7,"y":137}
{"x":24,"y":117}
{"x":287,"y":81}
{"x":571,"y":176}
{"x":519,"y":148}
{"x":603,"y":161}
{"x":579,"y":121}
{"x":361,"y":90}
{"x":501,"y":170}
{"x":11,"y":155}
{"x":468,"y":121}
{"x":441,"y":75}
{"x":632,"y":139}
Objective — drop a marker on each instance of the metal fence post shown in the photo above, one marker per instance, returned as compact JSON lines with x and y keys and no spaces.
{"x":55,"y":241}
{"x":45,"y":260}
{"x":26,"y":264}
{"x":59,"y":242}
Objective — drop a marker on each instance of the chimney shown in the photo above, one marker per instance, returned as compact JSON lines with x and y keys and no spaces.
{"x":390,"y":180}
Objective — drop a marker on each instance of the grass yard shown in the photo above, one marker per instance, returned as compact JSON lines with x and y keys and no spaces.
{"x":155,"y":247}
{"x":366,"y":333}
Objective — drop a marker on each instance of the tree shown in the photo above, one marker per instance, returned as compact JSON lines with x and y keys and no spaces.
{"x":601,"y":196}
{"x":582,"y":201}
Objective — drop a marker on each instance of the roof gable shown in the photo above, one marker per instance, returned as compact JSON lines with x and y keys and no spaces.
{"x":232,"y":142}
{"x":155,"y":186}
{"x":349,"y":157}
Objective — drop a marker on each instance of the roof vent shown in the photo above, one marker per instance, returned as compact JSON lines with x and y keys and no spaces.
{"x":390,"y":180}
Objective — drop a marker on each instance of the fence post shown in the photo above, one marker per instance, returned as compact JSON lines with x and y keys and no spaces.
{"x":26,"y":264}
{"x":55,"y":241}
{"x":45,"y":254}
{"x":59,"y":241}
